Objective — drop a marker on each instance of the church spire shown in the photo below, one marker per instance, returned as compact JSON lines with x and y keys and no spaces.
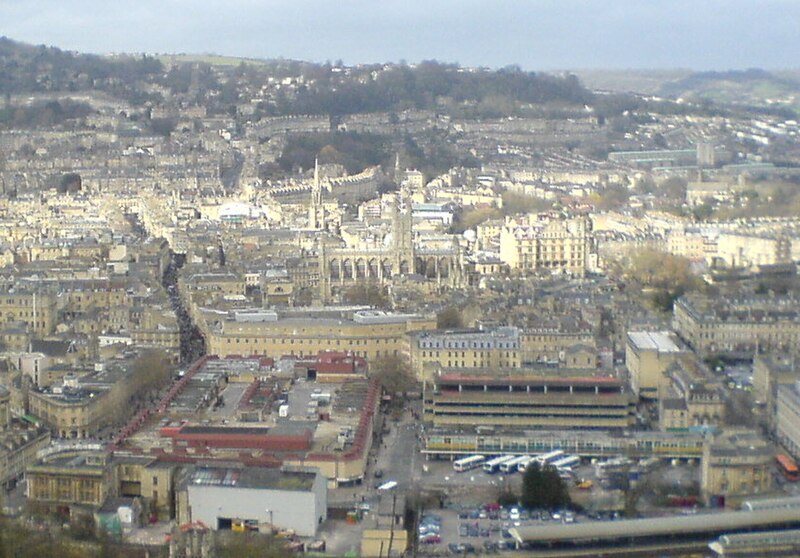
{"x":316,"y":212}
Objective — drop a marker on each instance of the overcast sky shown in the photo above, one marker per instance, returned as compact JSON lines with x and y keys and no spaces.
{"x":535,"y":34}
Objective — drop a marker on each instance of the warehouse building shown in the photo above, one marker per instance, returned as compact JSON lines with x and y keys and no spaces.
{"x":254,"y":498}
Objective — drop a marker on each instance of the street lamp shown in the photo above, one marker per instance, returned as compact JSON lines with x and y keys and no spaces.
{"x":271,"y":525}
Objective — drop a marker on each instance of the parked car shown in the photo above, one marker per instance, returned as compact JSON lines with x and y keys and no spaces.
{"x":431,"y":539}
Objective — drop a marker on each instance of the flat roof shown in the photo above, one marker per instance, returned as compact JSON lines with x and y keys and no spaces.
{"x":526,"y":379}
{"x":654,"y":340}
{"x":279,"y":430}
{"x":694,"y":523}
{"x":252,"y":477}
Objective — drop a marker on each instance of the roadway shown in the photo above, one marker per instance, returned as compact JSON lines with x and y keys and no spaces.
{"x":398,"y":456}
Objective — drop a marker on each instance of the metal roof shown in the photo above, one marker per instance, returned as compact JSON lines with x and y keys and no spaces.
{"x":695,"y":523}
{"x":658,"y":340}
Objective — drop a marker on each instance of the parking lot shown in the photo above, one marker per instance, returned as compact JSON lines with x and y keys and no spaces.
{"x":481,"y":529}
{"x":471,"y":522}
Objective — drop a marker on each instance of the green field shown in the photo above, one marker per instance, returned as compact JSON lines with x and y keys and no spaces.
{"x":211,"y":59}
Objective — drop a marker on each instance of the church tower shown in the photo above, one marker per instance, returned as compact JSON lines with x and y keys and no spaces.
{"x":402,"y":235}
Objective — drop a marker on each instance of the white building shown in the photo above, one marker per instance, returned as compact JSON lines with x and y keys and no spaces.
{"x":255,"y":498}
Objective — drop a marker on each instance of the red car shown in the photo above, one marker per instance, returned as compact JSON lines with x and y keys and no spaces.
{"x":431,"y":539}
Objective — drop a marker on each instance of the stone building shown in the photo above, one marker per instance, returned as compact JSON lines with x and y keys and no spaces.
{"x":735,"y":464}
{"x":555,"y":246}
{"x":465,"y":349}
{"x":365,"y":333}
{"x":737,"y":326}
{"x":68,"y":482}
{"x":397,"y":254}
{"x":691,"y":401}
{"x":771,"y":371}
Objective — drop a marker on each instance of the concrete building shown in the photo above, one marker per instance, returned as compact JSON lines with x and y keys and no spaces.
{"x":254,"y":498}
{"x":647,"y":356}
{"x":736,"y":463}
{"x":523,"y":398}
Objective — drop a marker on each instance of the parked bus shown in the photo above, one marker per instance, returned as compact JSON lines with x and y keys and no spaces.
{"x":493,"y":465}
{"x":566,"y":463}
{"x":788,"y":467}
{"x":548,"y":458}
{"x":616,"y":465}
{"x":468,"y":463}
{"x":524,"y":464}
{"x":512,"y":466}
